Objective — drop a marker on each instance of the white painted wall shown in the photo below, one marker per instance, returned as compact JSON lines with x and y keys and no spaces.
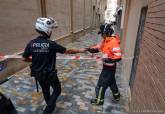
{"x":123,"y":13}
{"x":111,"y":10}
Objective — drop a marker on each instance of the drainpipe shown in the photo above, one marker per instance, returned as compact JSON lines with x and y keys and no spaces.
{"x":84,"y":16}
{"x":71,"y":20}
{"x":43,"y":8}
{"x":71,"y":16}
{"x":92,"y":14}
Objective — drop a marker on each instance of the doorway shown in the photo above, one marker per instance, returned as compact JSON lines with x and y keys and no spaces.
{"x":137,"y":46}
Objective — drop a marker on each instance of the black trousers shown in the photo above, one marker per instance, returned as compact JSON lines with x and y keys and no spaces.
{"x":47,"y":79}
{"x":106,"y":79}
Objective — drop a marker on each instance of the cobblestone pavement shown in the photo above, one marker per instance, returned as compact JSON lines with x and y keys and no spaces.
{"x":78,"y":79}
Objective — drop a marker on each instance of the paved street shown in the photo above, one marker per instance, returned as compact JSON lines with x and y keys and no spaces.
{"x":78,"y":79}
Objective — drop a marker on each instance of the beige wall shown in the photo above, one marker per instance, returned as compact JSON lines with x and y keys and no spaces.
{"x":78,"y":15}
{"x":88,"y":13}
{"x":128,"y":42}
{"x":100,"y":6}
{"x":60,"y":10}
{"x":18,"y":18}
{"x":16,"y":22}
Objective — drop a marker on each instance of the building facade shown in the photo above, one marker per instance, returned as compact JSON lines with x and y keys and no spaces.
{"x":18,"y":18}
{"x":143,"y":45}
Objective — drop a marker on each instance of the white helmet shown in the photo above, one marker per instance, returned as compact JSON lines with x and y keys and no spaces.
{"x":45,"y":25}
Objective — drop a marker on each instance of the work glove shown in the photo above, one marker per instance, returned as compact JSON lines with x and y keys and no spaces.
{"x":92,"y":50}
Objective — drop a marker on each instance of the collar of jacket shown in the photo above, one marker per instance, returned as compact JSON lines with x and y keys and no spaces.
{"x":108,"y":39}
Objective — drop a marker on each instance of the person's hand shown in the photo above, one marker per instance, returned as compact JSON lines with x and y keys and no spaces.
{"x":82,"y":50}
{"x":74,"y":51}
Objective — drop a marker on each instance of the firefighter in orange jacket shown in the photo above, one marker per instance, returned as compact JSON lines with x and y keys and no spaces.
{"x":110,"y":48}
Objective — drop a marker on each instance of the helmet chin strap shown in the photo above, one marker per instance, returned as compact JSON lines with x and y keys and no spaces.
{"x":45,"y":35}
{"x":49,"y":35}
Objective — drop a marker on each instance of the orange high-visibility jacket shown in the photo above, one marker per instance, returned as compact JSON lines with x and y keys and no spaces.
{"x":111,"y":48}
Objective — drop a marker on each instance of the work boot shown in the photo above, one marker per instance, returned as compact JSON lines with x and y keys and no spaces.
{"x":97,"y":102}
{"x":49,"y":110}
{"x":116,"y":96}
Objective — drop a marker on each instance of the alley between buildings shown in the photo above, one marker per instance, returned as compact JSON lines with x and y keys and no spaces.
{"x":78,"y":79}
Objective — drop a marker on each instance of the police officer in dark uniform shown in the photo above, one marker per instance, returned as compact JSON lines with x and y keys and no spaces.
{"x":43,"y":52}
